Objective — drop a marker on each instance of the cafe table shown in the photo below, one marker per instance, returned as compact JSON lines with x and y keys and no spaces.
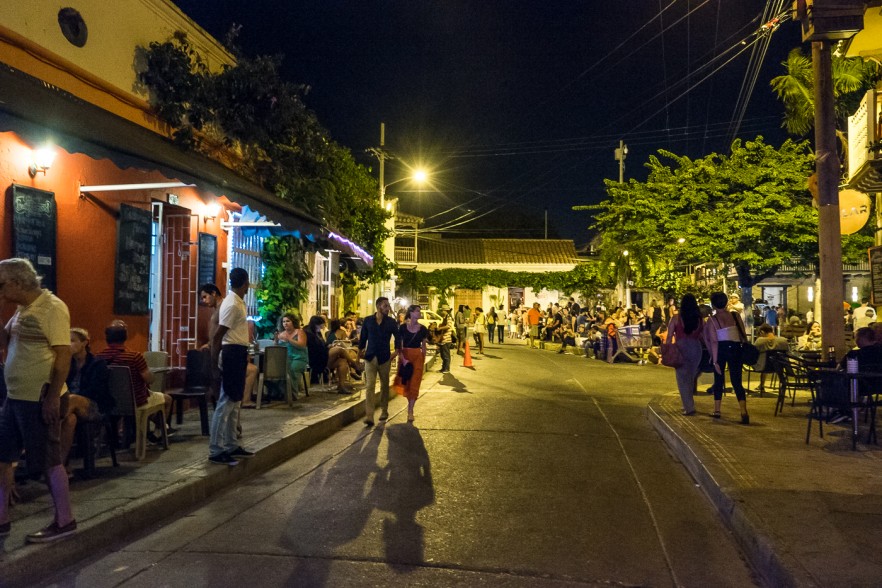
{"x":854,"y":379}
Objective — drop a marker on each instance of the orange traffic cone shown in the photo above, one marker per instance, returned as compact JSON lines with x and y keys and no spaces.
{"x":467,"y":356}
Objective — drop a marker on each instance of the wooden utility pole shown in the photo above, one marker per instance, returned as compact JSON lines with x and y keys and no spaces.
{"x":828,"y":166}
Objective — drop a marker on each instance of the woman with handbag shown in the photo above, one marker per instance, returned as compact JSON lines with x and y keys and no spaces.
{"x":682,"y":349}
{"x":412,"y":358}
{"x":724,"y":334}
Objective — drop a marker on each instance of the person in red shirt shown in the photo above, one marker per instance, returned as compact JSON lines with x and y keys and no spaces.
{"x":116,"y":353}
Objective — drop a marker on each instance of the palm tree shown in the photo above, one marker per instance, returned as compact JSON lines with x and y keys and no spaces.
{"x":852,"y":77}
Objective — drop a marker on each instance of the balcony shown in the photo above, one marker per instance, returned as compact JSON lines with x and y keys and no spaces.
{"x":865,"y":144}
{"x":405,"y":255}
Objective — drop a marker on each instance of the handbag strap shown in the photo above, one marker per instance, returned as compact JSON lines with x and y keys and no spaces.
{"x":739,"y":327}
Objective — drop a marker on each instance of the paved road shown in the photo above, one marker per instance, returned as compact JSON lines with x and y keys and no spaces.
{"x":534,"y":469}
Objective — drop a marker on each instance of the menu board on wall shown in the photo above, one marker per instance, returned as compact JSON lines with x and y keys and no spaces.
{"x":131,"y":292}
{"x":876,"y":274}
{"x":207,"y":258}
{"x":34,"y":230}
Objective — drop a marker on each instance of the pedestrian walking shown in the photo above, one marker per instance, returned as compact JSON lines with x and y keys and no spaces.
{"x":412,"y":358}
{"x":723,"y":333}
{"x":686,"y":332}
{"x":480,"y":328}
{"x":491,"y":320}
{"x":501,"y":324}
{"x":36,"y":341}
{"x":532,"y":318}
{"x":229,"y":351}
{"x":373,"y":347}
{"x":460,"y":323}
{"x":445,"y":340}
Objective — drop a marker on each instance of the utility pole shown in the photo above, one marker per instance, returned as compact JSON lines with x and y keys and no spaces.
{"x":546,"y":224}
{"x":827,"y":166}
{"x":381,"y":154}
{"x":620,"y":153}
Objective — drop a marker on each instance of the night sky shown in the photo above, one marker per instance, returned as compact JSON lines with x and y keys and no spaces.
{"x":516,"y":106}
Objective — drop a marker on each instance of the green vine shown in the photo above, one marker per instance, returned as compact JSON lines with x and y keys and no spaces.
{"x":283,"y":287}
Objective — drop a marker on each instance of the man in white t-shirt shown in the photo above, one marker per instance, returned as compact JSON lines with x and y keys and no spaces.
{"x":229,"y":349}
{"x":37,"y":344}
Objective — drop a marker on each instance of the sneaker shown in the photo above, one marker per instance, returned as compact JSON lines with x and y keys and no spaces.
{"x":384,"y":415}
{"x":223,"y":459}
{"x":52,"y":533}
{"x":5,"y":528}
{"x":561,"y":351}
{"x":241,"y":452}
{"x":444,"y":372}
{"x":152,"y":439}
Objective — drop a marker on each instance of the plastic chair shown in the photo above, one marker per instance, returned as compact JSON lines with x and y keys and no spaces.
{"x":275,"y":369}
{"x":197,"y":385}
{"x":120,"y":385}
{"x":157,"y":359}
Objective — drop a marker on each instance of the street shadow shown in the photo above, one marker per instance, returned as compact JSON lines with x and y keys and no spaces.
{"x":332,"y":511}
{"x":455,"y":384}
{"x":403,"y":488}
{"x":489,"y":356}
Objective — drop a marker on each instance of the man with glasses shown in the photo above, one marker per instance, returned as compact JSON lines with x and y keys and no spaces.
{"x":37,"y":344}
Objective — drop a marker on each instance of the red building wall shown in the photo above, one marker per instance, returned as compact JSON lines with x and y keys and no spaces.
{"x":86,"y":230}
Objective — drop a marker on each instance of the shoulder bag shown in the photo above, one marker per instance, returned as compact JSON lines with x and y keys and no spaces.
{"x":749,"y":353}
{"x":670,"y":354}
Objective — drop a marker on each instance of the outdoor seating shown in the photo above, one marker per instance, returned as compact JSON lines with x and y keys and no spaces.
{"x":829,"y":391}
{"x":120,"y":385}
{"x":275,"y":369}
{"x":793,"y":376}
{"x":197,"y":385}
{"x":157,"y":361}
{"x":88,"y":433}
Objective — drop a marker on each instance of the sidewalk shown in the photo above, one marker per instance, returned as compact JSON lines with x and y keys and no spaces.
{"x":136,"y":495}
{"x":805,"y":515}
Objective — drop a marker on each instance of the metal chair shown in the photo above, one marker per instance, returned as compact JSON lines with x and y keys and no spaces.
{"x":793,"y":376}
{"x":120,"y":385}
{"x":275,"y":369}
{"x":197,"y":385}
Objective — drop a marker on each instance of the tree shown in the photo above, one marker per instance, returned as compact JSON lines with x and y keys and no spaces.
{"x":249,"y":118}
{"x":749,"y":209}
{"x":852,"y":77}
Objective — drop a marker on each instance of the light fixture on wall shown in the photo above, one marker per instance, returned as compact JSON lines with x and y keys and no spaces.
{"x":43,"y":159}
{"x":212,"y":211}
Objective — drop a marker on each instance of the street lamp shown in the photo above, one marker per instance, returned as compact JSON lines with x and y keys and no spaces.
{"x":418,"y":176}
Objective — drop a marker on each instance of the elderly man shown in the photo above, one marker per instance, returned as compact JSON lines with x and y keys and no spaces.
{"x":116,"y":334}
{"x":37,"y":345}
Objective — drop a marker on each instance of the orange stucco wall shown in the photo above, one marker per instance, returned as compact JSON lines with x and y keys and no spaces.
{"x":86,"y":231}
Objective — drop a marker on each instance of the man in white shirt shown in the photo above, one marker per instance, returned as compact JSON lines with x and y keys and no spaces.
{"x":37,"y":345}
{"x":864,"y":315}
{"x":229,"y":346}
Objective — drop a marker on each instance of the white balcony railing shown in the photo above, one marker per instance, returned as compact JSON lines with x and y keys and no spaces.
{"x":405,"y":254}
{"x":863,"y":131}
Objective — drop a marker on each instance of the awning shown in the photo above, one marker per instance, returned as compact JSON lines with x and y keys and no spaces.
{"x":252,"y":223}
{"x":38,"y":112}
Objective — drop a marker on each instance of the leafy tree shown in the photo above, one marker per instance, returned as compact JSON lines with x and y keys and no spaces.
{"x":749,"y":209}
{"x":265,"y":132}
{"x":283,"y":285}
{"x":852,"y":77}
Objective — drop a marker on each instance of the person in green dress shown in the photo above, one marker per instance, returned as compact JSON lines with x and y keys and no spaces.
{"x":293,"y":337}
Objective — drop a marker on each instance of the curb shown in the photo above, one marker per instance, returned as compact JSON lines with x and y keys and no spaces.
{"x":758,"y":549}
{"x":34,"y":562}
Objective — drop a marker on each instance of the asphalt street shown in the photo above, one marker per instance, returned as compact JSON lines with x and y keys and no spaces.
{"x":532,"y":469}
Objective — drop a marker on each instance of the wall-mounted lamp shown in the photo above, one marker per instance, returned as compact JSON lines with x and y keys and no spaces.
{"x":212,"y":211}
{"x":43,"y":160}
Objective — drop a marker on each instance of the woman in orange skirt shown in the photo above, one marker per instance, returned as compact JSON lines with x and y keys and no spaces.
{"x":412,"y":358}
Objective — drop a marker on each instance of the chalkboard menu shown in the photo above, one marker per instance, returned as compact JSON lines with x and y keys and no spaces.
{"x":876,"y":274}
{"x":207,"y":258}
{"x":33,"y":230}
{"x":131,"y":292}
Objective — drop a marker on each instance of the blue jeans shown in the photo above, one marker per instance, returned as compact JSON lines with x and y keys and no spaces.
{"x":223,"y":426}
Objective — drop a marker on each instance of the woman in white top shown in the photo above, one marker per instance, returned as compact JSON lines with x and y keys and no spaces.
{"x":480,"y":328}
{"x":723,"y":335}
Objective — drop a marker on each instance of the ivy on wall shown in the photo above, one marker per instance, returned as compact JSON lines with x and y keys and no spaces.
{"x":283,"y":287}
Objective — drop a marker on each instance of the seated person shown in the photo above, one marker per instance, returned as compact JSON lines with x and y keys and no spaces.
{"x":567,"y":337}
{"x":766,"y":341}
{"x":87,"y":383}
{"x":294,"y":338}
{"x":811,"y":340}
{"x":336,"y":332}
{"x":317,"y":348}
{"x":116,"y":353}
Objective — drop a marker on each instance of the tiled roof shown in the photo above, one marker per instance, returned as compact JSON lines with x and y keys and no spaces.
{"x":496,"y":251}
